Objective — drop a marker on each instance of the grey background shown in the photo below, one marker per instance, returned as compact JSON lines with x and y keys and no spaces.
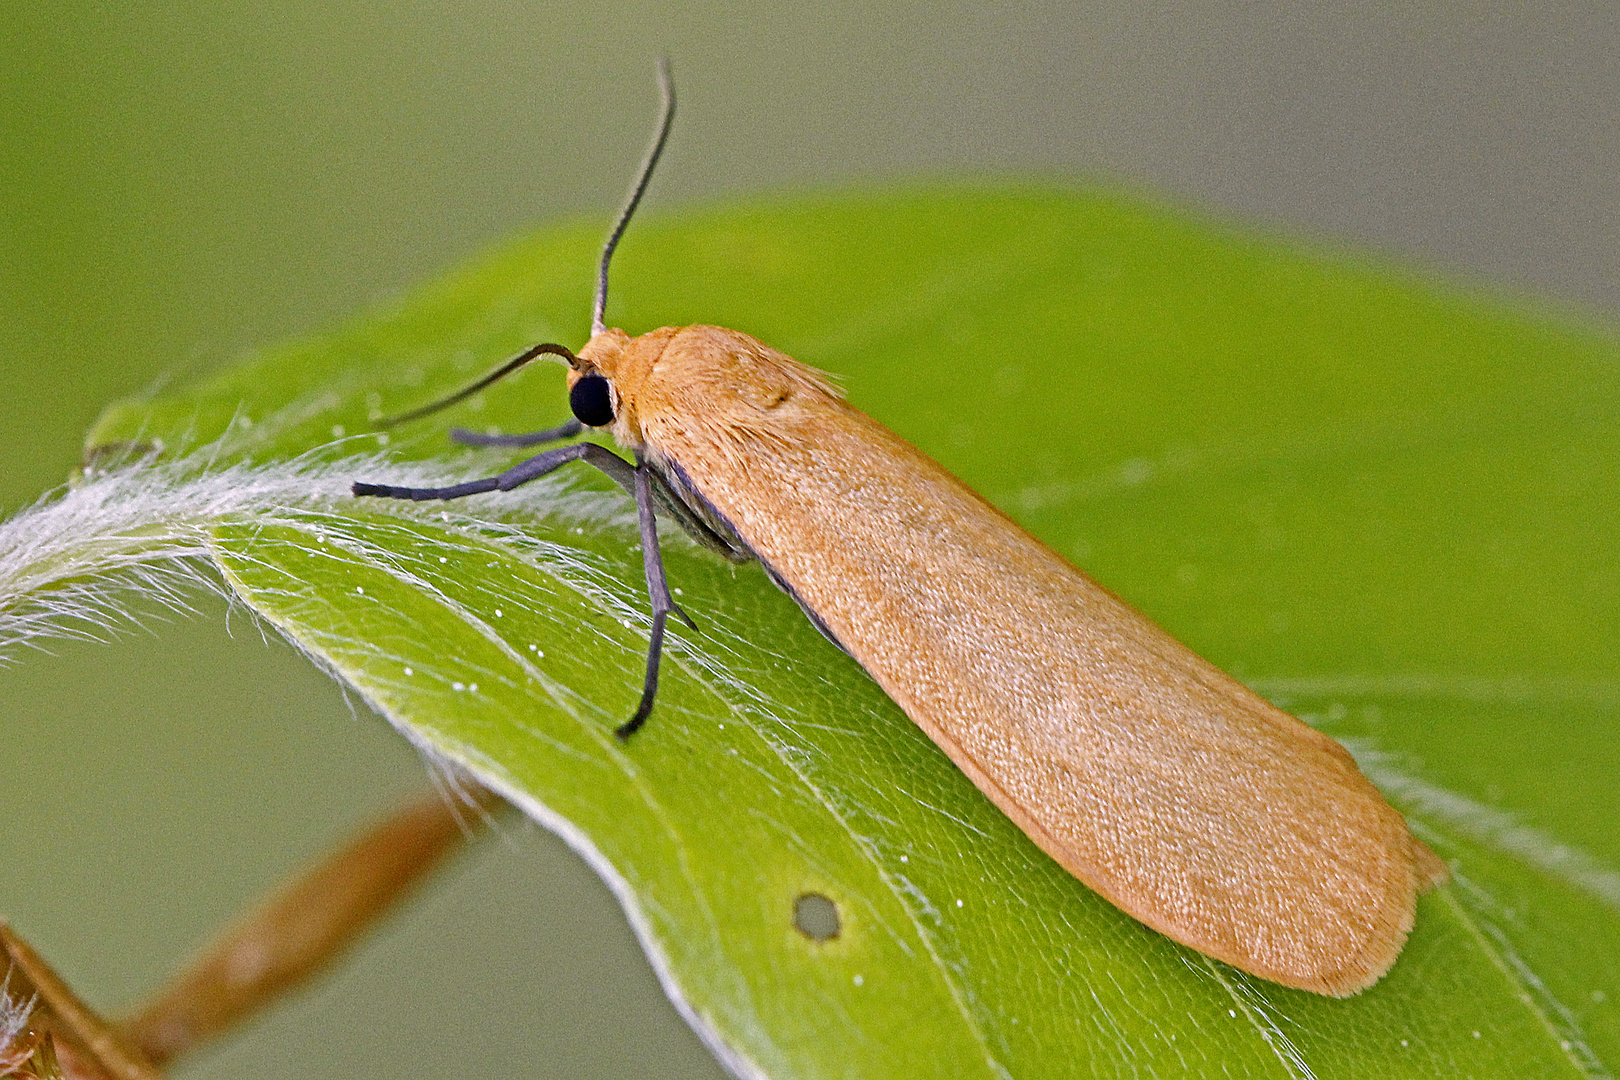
{"x":185,"y":182}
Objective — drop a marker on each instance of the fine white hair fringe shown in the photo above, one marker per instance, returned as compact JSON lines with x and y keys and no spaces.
{"x":78,"y":562}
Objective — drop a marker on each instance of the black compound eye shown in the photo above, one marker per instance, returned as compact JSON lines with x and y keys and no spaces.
{"x":591,"y":402}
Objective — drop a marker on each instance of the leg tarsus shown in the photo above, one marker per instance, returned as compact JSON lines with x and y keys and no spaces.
{"x":471,"y":487}
{"x":649,"y":686}
{"x":652,"y":565}
{"x":676,"y":609}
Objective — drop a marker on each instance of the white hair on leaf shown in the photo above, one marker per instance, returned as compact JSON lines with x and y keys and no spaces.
{"x":80,"y":560}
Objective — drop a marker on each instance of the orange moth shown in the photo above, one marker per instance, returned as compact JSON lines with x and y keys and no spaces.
{"x":1161,"y":782}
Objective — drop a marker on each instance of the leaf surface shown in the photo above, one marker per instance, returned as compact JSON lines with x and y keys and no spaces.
{"x":1387,"y":506}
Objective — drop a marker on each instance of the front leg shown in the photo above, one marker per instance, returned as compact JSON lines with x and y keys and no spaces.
{"x":521,"y":473}
{"x":639,"y":480}
{"x":663,"y":604}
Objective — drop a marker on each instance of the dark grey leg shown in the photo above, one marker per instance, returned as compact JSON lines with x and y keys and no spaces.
{"x":521,"y":473}
{"x":652,"y":565}
{"x":639,"y":479}
{"x":676,"y":509}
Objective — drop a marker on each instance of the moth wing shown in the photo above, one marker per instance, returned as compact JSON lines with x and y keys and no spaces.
{"x":1158,"y":780}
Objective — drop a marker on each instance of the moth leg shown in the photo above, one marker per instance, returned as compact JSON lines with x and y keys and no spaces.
{"x":663,"y":604}
{"x":674,"y":507}
{"x":669,"y":503}
{"x":639,"y":479}
{"x":532,"y":438}
{"x":521,"y":473}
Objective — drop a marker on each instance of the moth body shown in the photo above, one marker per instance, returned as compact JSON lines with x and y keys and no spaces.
{"x":1155,"y":778}
{"x":1158,"y":780}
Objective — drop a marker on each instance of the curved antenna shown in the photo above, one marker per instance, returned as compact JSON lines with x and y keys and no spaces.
{"x":547,"y":349}
{"x":666,"y":87}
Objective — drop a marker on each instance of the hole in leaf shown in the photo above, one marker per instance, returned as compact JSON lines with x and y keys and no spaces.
{"x":815,"y":916}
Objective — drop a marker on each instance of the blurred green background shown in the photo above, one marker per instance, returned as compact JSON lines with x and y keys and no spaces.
{"x":184,"y":183}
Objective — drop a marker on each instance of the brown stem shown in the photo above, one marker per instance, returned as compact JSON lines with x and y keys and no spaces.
{"x":91,"y":1048}
{"x":303,"y":926}
{"x":291,"y":936}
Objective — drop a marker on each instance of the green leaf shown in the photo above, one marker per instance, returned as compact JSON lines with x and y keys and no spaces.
{"x":1389,"y":507}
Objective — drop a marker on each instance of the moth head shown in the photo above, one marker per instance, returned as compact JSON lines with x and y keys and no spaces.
{"x":591,"y":398}
{"x":607,"y":379}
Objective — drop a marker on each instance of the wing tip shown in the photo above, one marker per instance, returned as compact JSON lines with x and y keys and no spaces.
{"x":1349,"y":977}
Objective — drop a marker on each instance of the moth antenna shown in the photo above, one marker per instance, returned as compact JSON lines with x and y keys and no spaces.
{"x":666,"y":87}
{"x":546,"y":349}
